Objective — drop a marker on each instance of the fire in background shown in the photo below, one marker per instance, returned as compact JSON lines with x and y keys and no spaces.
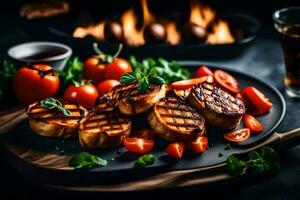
{"x":204,"y":26}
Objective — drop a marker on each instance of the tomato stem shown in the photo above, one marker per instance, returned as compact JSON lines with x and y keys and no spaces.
{"x":118,"y":51}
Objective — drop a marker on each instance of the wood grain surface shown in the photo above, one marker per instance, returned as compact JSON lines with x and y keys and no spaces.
{"x":170,"y":179}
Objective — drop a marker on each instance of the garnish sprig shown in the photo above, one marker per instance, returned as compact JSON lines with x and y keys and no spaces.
{"x":52,"y":103}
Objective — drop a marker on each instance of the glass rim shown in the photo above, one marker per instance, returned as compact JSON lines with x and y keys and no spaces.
{"x":277,"y":12}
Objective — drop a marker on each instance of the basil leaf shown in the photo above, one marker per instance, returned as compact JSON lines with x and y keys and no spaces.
{"x":157,"y":80}
{"x":143,"y":86}
{"x":85,"y":160}
{"x":142,"y":161}
{"x":51,"y":103}
{"x":128,"y":78}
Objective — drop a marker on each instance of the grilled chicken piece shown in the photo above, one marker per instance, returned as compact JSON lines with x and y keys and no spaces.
{"x":103,"y":130}
{"x":53,"y":123}
{"x":128,"y":99}
{"x":218,"y":107}
{"x":174,"y":120}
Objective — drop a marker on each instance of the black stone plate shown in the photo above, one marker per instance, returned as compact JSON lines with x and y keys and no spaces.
{"x":119,"y":161}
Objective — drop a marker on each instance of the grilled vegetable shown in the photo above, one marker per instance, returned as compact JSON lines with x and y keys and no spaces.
{"x":174,"y":120}
{"x":129,"y":100}
{"x":218,"y":107}
{"x":55,"y":118}
{"x":103,"y":130}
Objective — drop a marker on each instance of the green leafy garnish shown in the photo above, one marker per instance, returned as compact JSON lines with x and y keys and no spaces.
{"x":85,"y":160}
{"x":263,"y":160}
{"x":7,"y":71}
{"x":169,"y":71}
{"x":142,"y":161}
{"x":72,"y":71}
{"x":144,"y":78}
{"x":51,"y":103}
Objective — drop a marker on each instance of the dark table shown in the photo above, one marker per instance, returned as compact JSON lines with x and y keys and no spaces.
{"x":262,"y":59}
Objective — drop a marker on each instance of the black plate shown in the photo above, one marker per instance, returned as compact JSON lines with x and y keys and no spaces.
{"x":123,"y":162}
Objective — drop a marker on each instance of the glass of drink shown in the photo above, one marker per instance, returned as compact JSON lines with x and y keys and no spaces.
{"x":287,"y":24}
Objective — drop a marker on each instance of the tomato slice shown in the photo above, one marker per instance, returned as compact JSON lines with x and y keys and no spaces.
{"x":238,"y":135}
{"x":226,"y":81}
{"x":138,"y":146}
{"x":186,"y":84}
{"x":147,"y":134}
{"x":203,"y":71}
{"x":258,"y":99}
{"x":199,"y":145}
{"x":175,"y":149}
{"x":253,"y":124}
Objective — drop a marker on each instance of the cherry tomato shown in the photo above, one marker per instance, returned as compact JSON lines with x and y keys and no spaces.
{"x":203,"y":71}
{"x":138,"y":146}
{"x":85,"y":94}
{"x":226,"y":81}
{"x":258,"y":99}
{"x":147,"y":134}
{"x":186,"y":84}
{"x":238,"y":135}
{"x":117,"y":68}
{"x":175,"y":149}
{"x":106,"y":86}
{"x":199,"y":145}
{"x":253,"y":124}
{"x":32,"y":84}
{"x":94,"y":70}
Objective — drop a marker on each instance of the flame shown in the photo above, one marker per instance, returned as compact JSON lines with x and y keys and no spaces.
{"x":97,"y":31}
{"x":132,"y":36}
{"x":173,"y":36}
{"x":221,"y":34}
{"x":201,"y":15}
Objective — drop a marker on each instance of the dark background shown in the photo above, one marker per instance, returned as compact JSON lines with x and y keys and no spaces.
{"x":263,"y":59}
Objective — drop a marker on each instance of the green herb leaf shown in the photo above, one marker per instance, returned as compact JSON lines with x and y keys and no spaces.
{"x":51,"y":103}
{"x":235,"y":166}
{"x":72,"y":71}
{"x":84,"y":160}
{"x":128,"y":78}
{"x":143,"y":86}
{"x":7,"y":72}
{"x":262,"y":160}
{"x":142,"y":161}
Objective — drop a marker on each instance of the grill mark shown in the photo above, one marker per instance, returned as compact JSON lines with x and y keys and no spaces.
{"x":186,"y":109}
{"x":181,"y":116}
{"x":182,"y":125}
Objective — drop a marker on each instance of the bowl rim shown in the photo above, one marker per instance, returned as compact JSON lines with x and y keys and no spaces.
{"x":11,"y":51}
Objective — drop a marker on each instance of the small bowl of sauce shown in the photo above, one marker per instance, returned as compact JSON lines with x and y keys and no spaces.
{"x":51,"y":53}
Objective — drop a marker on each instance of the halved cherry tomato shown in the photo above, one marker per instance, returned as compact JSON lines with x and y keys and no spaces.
{"x":175,"y":149}
{"x":186,"y":84}
{"x":147,"y":134}
{"x":203,"y":71}
{"x":85,"y":94}
{"x":117,"y":68}
{"x":257,"y":98}
{"x":199,"y":145}
{"x":253,"y":124}
{"x":93,"y":69}
{"x":238,"y":135}
{"x":138,"y":146}
{"x":105,"y":86}
{"x":34,"y":83}
{"x":226,"y":81}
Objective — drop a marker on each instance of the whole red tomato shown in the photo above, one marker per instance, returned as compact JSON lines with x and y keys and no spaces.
{"x":94,"y":69}
{"x":105,"y":86}
{"x":34,"y":83}
{"x":83,"y":93}
{"x":117,"y":68}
